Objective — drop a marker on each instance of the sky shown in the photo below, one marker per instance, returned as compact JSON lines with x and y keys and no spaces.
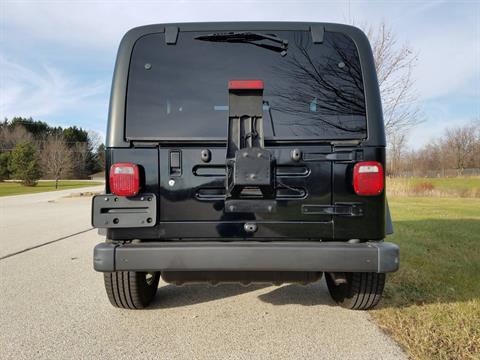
{"x":57,"y":57}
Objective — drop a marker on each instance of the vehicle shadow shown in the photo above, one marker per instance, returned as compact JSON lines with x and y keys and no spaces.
{"x":296,"y":294}
{"x":172,"y":296}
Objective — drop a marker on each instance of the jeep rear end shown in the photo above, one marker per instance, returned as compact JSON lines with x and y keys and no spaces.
{"x":245,"y":152}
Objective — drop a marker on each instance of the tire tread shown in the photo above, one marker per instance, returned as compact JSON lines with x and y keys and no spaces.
{"x":362,"y":291}
{"x":129,"y":290}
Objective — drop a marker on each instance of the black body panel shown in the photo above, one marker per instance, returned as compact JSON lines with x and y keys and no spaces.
{"x":198,"y":194}
{"x":193,"y":208}
{"x":372,"y":224}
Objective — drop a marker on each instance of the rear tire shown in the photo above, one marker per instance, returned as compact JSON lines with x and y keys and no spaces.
{"x":362,"y":291}
{"x":131,"y":290}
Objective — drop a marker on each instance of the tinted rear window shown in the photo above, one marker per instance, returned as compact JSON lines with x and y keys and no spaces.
{"x":181,"y":91}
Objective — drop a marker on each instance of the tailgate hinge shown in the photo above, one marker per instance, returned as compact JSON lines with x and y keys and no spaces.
{"x":171,"y":35}
{"x":317,"y":32}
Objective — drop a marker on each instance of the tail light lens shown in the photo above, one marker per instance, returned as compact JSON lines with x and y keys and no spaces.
{"x":368,"y":178}
{"x":124,"y":179}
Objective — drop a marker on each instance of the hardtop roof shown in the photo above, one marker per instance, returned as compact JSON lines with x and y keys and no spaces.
{"x":116,"y":117}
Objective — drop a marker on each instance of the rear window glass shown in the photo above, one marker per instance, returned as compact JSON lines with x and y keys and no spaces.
{"x":181,"y":91}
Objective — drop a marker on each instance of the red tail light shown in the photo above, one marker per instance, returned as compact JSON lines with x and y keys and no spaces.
{"x":124,"y":179}
{"x":245,"y":85}
{"x":368,"y":178}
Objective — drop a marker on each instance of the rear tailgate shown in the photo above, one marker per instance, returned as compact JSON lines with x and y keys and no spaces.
{"x":315,"y":199}
{"x":192,"y":196}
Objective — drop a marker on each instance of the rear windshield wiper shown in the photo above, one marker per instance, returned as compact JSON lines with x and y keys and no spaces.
{"x":248,"y":38}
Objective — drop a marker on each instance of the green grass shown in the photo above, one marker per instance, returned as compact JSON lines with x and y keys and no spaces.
{"x":11,"y":188}
{"x":432,"y":304}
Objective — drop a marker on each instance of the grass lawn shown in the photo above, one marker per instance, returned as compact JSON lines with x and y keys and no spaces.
{"x":454,"y":186}
{"x":10,"y":188}
{"x":432,"y":304}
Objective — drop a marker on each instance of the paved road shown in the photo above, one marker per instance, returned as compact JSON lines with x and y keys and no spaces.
{"x":53,"y":306}
{"x":34,"y":219}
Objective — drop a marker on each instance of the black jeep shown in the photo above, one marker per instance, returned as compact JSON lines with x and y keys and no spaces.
{"x":245,"y":152}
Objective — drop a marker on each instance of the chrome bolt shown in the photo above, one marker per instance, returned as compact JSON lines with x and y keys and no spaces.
{"x":206,"y":155}
{"x":250,"y":227}
{"x":296,"y":154}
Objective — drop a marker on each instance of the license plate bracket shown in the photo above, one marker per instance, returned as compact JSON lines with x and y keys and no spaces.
{"x":112,"y":211}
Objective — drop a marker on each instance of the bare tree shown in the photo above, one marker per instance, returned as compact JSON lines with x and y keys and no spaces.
{"x":339,"y":94}
{"x":80,"y":154}
{"x":56,"y":158}
{"x":11,"y":136}
{"x":397,"y":152}
{"x":460,"y":144}
{"x":95,"y":139}
{"x":394,"y":64}
{"x":476,"y":152}
{"x":432,"y":158}
{"x":458,"y":148}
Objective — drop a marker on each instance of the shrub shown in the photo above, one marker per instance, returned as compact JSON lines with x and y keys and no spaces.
{"x":24,"y":164}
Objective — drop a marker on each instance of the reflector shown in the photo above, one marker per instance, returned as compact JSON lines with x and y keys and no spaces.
{"x":124,"y":179}
{"x":368,"y":178}
{"x":124,"y":170}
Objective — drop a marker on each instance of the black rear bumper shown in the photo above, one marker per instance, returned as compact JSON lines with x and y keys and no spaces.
{"x":380,"y":257}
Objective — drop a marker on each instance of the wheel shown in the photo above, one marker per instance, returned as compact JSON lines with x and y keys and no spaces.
{"x":360,"y":291}
{"x":131,"y":290}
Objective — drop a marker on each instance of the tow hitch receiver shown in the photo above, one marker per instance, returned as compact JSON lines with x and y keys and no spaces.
{"x":250,"y":181}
